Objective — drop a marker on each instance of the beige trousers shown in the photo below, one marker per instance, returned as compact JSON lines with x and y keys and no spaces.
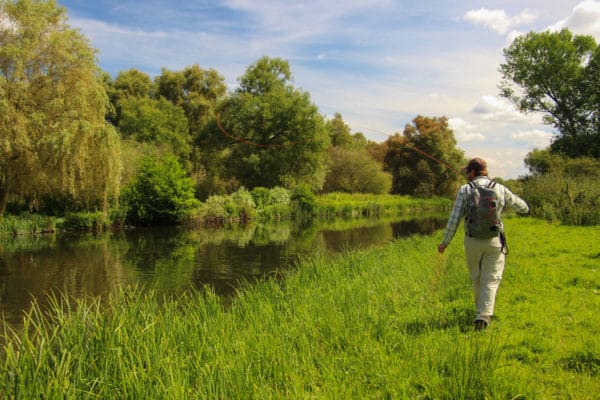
{"x":486,"y":265}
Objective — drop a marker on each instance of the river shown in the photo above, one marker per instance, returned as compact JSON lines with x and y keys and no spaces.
{"x":174,"y":259}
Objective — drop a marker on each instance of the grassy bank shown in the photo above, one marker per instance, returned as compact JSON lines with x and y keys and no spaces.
{"x":261,"y":204}
{"x":389,"y":322}
{"x":26,"y":224}
{"x":358,"y":205}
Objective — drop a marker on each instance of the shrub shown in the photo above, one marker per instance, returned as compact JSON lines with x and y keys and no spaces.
{"x":568,"y":191}
{"x":244,"y":206}
{"x":161,"y":194}
{"x":117,"y":216}
{"x":571,"y":200}
{"x":261,"y":196}
{"x":303,"y":201}
{"x":218,"y":207}
{"x":85,"y":221}
{"x":280,"y":195}
{"x":355,"y":171}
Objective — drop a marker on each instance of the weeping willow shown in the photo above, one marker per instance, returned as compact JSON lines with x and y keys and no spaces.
{"x":54,"y":139}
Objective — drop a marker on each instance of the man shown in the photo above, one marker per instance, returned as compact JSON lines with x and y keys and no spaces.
{"x":485,"y":255}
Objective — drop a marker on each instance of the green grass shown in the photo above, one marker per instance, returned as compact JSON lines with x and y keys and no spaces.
{"x":27,"y":223}
{"x":356,"y":205}
{"x":389,"y":322}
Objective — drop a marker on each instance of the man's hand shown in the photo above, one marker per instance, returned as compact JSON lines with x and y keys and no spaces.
{"x":442,"y":247}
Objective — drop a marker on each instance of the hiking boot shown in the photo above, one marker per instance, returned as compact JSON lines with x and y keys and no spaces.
{"x":481,"y":325}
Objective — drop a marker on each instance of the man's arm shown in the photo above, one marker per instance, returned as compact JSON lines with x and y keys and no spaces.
{"x":454,"y":220}
{"x":515,"y":202}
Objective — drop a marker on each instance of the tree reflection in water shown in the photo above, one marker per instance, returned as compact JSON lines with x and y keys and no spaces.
{"x":174,"y":259}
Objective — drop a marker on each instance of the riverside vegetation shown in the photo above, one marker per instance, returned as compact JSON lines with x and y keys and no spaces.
{"x":260,"y":203}
{"x":386,"y":322}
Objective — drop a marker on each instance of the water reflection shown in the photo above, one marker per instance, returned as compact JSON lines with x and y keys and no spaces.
{"x":174,"y":259}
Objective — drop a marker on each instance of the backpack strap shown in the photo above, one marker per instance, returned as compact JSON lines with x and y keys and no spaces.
{"x":491,"y":184}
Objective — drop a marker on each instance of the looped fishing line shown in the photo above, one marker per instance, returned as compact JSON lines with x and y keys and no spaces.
{"x":250,"y":142}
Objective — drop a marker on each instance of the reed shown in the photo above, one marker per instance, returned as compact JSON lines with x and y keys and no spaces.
{"x":27,"y":223}
{"x":361,"y":205}
{"x":278,"y":204}
{"x":572,"y":200}
{"x":387,"y":322}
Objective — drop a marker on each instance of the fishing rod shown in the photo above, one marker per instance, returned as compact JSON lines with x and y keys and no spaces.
{"x":451,"y":168}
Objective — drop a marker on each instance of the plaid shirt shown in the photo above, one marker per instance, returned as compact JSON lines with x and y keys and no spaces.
{"x":505,"y":199}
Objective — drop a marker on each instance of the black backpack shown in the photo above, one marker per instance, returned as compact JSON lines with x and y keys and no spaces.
{"x":483,"y":214}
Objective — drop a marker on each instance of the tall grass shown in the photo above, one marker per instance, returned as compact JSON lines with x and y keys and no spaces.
{"x":266,"y":204}
{"x":360,"y":205}
{"x":301,"y":204}
{"x":573,"y":200}
{"x":389,"y":322}
{"x":27,"y":223}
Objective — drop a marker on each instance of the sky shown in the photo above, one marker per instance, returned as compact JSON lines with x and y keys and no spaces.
{"x":379,"y":63}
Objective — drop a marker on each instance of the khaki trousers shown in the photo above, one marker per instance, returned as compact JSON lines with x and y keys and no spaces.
{"x":486,"y":265}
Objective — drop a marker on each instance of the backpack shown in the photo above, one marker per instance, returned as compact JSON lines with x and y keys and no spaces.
{"x":483,"y":216}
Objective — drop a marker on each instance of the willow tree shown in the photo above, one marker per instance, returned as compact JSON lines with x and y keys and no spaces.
{"x":54,"y":139}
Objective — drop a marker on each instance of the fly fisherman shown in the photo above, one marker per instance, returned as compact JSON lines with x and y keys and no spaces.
{"x":481,"y":202}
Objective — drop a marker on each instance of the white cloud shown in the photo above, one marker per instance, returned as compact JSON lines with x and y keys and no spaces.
{"x":505,"y":162}
{"x":535,"y":137}
{"x":584,"y":19}
{"x":496,"y":109}
{"x":511,"y":36}
{"x":297,"y":20}
{"x":465,"y":131}
{"x":377,"y":62}
{"x":497,"y":20}
{"x":95,"y":28}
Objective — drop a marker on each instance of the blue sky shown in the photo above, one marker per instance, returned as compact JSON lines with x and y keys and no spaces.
{"x":379,"y":63}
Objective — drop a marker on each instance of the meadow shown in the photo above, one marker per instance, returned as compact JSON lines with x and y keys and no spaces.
{"x":389,"y":322}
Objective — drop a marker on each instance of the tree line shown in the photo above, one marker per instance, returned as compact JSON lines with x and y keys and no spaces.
{"x":74,"y":138}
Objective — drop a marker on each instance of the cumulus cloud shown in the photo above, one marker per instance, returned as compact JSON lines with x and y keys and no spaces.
{"x":496,"y":109}
{"x":465,"y":131}
{"x":584,"y":19}
{"x":505,"y":162}
{"x":511,"y":36}
{"x":534,"y":137}
{"x":497,"y":20}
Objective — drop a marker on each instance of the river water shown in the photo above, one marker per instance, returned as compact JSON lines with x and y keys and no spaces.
{"x":174,"y":259}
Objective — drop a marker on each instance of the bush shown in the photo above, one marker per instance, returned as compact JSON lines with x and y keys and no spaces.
{"x":261,"y":196}
{"x":571,"y":200}
{"x":280,"y":195}
{"x":355,"y":171}
{"x":218,"y":207}
{"x":303,"y":201}
{"x":161,"y":194}
{"x":85,"y":221}
{"x":118,"y":215}
{"x":562,"y":188}
{"x":244,"y":205}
